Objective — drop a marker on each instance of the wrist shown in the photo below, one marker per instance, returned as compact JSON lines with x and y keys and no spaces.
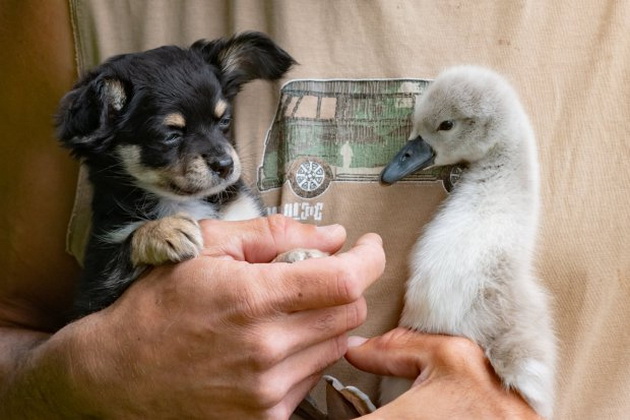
{"x":44,"y":381}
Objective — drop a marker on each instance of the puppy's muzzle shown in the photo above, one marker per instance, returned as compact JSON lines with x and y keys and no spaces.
{"x":221,"y":165}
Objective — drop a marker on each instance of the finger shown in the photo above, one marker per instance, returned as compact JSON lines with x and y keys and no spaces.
{"x":409,"y":354}
{"x":308,"y":363}
{"x":303,"y":329}
{"x":261,"y":240}
{"x":294,"y":397}
{"x":399,"y":352}
{"x":325,"y":282}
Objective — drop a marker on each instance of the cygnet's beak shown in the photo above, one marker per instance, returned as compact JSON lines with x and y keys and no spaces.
{"x":414,"y":156}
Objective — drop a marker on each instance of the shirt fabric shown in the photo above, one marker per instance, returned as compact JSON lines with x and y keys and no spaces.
{"x":569,"y":61}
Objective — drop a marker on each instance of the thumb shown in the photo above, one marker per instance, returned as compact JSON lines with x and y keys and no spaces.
{"x":396,"y":353}
{"x":261,"y":240}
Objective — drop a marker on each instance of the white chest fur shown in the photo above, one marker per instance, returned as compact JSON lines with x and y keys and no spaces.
{"x":197,"y":209}
{"x":242,"y":208}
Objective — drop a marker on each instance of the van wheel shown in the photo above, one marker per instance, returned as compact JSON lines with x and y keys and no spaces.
{"x":309,"y":176}
{"x":451,"y":176}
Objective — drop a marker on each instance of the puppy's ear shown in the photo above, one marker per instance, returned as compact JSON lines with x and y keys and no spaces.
{"x":86,"y":114}
{"x":244,"y":57}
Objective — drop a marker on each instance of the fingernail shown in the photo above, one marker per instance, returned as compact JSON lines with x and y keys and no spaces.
{"x":356,"y":341}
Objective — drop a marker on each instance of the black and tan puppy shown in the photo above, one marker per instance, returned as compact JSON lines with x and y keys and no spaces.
{"x":153,"y":129}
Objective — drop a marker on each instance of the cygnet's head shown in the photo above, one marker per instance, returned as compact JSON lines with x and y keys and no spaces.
{"x":460,"y":118}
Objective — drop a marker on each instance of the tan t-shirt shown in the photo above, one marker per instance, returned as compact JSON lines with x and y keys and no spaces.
{"x":360,"y":60}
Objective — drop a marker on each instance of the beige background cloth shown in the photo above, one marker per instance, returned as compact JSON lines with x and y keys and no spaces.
{"x":570,"y":63}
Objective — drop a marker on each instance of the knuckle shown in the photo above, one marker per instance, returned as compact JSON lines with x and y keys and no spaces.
{"x":278,"y":223}
{"x":457,"y":351}
{"x":396,"y":338}
{"x":325,"y":323}
{"x":340,"y":346}
{"x":267,"y":353}
{"x":356,"y":313}
{"x":245,"y":314}
{"x":267,"y":391}
{"x":348,"y":287}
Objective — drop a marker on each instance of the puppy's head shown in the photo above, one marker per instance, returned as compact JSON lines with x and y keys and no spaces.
{"x":163,"y":116}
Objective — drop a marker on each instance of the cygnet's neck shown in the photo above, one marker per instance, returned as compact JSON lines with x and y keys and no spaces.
{"x":504,"y":180}
{"x":510,"y":166}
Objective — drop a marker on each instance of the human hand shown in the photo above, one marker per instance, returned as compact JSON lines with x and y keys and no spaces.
{"x":452,"y":377}
{"x":226,"y":335}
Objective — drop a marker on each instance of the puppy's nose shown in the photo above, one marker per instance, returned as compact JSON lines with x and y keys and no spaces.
{"x":222,"y":165}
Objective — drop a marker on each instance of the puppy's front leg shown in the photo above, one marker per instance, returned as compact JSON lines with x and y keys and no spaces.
{"x":169,"y":239}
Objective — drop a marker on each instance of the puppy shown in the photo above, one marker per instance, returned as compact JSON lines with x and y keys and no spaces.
{"x":153,"y":129}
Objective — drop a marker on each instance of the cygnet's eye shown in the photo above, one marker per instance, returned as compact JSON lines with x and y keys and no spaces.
{"x":446,"y":125}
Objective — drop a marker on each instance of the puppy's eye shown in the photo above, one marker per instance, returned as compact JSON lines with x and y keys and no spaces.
{"x":446,"y":125}
{"x":224,"y":123}
{"x":172,"y":138}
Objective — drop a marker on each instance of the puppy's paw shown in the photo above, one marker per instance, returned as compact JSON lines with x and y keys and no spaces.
{"x":170,"y":239}
{"x":299,"y":254}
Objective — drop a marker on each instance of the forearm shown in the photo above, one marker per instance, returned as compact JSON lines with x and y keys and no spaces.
{"x":203,"y":339}
{"x":35,"y":376}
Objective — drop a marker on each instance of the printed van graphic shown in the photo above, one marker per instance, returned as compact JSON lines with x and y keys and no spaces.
{"x":341,"y":131}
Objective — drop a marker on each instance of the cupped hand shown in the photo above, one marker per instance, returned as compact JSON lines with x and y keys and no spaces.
{"x":452,"y":377}
{"x":228,"y":334}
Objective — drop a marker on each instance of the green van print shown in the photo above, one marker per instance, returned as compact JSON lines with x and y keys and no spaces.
{"x":341,"y":131}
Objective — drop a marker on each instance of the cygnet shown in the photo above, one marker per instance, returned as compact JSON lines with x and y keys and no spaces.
{"x":472,"y":271}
